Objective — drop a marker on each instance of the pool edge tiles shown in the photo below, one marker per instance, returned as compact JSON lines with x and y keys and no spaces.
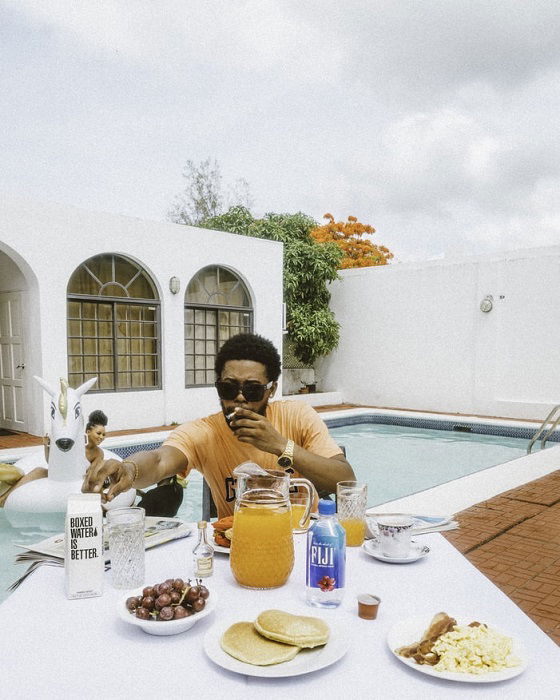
{"x":448,"y":423}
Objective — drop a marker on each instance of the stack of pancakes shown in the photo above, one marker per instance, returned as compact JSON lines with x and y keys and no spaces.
{"x":274,"y":637}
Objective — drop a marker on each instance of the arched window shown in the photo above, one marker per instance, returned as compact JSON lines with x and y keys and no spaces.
{"x":113,"y":325}
{"x":217,"y":306}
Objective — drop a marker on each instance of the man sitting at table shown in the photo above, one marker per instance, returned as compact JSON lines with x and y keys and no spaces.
{"x":287,"y":435}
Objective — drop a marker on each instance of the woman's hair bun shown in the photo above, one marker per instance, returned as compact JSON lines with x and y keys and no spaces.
{"x":97,"y":418}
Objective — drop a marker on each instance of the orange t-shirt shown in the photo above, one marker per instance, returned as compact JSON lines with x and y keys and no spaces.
{"x":211,"y":447}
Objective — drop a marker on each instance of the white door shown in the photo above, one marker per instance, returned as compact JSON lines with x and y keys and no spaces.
{"x":11,"y":363}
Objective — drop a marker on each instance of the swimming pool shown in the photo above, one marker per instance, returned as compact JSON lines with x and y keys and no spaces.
{"x":397,"y":461}
{"x":396,"y":456}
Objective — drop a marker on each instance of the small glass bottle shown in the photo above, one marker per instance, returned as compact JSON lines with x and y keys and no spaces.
{"x":326,"y":558}
{"x":203,"y":554}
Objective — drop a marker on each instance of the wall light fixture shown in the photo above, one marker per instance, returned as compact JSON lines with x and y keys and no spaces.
{"x":174,"y":285}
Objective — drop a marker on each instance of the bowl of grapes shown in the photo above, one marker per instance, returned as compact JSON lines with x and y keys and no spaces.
{"x":170,"y":607}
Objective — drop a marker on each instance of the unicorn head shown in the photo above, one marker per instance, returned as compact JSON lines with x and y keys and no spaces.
{"x":67,"y":460}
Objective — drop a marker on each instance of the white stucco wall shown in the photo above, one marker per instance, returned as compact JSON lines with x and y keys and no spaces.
{"x":11,"y":277}
{"x":413,"y":335}
{"x":47,"y":242}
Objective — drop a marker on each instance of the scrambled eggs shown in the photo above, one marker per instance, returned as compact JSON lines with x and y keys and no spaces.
{"x":474,"y":650}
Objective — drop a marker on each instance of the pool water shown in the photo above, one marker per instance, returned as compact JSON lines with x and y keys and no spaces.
{"x":397,"y":461}
{"x":393,"y":460}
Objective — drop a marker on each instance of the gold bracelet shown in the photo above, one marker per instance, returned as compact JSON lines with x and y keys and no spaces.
{"x":130,"y":461}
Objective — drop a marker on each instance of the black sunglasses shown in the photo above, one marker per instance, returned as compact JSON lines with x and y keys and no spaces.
{"x":252,"y":392}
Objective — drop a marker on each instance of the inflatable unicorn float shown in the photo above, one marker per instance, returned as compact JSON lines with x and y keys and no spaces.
{"x":67,"y":462}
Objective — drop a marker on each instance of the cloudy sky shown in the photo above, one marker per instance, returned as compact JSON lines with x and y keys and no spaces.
{"x":436,"y":121}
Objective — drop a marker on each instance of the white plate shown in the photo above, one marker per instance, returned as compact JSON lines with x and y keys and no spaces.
{"x":220,"y":549}
{"x":417,"y":551}
{"x":411,"y":630}
{"x":161,"y":627}
{"x":306,"y":661}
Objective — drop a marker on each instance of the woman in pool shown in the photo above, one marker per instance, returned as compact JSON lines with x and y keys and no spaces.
{"x":163,"y":500}
{"x":95,"y":434}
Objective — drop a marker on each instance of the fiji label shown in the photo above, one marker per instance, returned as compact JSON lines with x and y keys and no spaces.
{"x":84,"y":560}
{"x":325,"y":568}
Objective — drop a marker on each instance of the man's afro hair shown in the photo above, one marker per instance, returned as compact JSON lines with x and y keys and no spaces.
{"x":250,"y":346}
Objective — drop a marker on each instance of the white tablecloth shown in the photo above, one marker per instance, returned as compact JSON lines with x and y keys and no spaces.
{"x":54,"y":647}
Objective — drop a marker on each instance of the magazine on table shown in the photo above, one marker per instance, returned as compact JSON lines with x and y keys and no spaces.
{"x":50,"y":551}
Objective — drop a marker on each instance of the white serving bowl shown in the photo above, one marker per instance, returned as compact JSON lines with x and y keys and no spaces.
{"x":162,"y":627}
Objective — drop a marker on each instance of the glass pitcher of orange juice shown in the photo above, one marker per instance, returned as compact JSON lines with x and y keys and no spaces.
{"x":262,"y":545}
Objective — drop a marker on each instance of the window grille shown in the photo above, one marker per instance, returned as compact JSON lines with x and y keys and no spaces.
{"x":113,"y":325}
{"x":217,"y":306}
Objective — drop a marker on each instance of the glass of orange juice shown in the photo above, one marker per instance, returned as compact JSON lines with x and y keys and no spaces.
{"x":351,"y":501}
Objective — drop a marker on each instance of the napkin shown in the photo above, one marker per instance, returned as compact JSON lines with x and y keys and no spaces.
{"x":249,"y":468}
{"x":422,"y":524}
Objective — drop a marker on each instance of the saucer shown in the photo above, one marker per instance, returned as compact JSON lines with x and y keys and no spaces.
{"x":417,"y":551}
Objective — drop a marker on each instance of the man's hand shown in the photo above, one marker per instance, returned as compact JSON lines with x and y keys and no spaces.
{"x":112,"y":473}
{"x":256,"y":430}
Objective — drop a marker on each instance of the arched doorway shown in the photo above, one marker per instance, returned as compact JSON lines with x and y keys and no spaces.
{"x":13,"y":333}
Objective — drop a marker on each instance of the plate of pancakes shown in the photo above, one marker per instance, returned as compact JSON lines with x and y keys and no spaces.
{"x":276,"y":644}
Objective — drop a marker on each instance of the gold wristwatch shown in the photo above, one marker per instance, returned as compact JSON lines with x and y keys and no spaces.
{"x":286,"y":459}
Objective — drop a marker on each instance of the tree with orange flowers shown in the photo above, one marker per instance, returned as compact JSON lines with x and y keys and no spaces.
{"x":348,"y":236}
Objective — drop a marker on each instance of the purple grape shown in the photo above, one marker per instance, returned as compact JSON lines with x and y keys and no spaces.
{"x":163,"y":601}
{"x":132,"y":603}
{"x":198,"y":604}
{"x":148,"y":602}
{"x":193,"y":593}
{"x":166,"y":613}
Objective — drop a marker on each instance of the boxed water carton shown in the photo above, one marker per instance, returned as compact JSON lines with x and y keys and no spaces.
{"x":84,"y":560}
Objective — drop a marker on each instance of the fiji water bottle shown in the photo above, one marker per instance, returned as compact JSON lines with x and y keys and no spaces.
{"x":326,"y":558}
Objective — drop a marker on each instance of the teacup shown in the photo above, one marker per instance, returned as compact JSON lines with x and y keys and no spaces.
{"x":394,"y":535}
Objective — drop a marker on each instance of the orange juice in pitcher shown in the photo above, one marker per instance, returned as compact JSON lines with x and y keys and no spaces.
{"x":262,"y":548}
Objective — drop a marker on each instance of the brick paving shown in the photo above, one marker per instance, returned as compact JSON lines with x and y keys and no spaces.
{"x":514,"y":540}
{"x":10,"y":442}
